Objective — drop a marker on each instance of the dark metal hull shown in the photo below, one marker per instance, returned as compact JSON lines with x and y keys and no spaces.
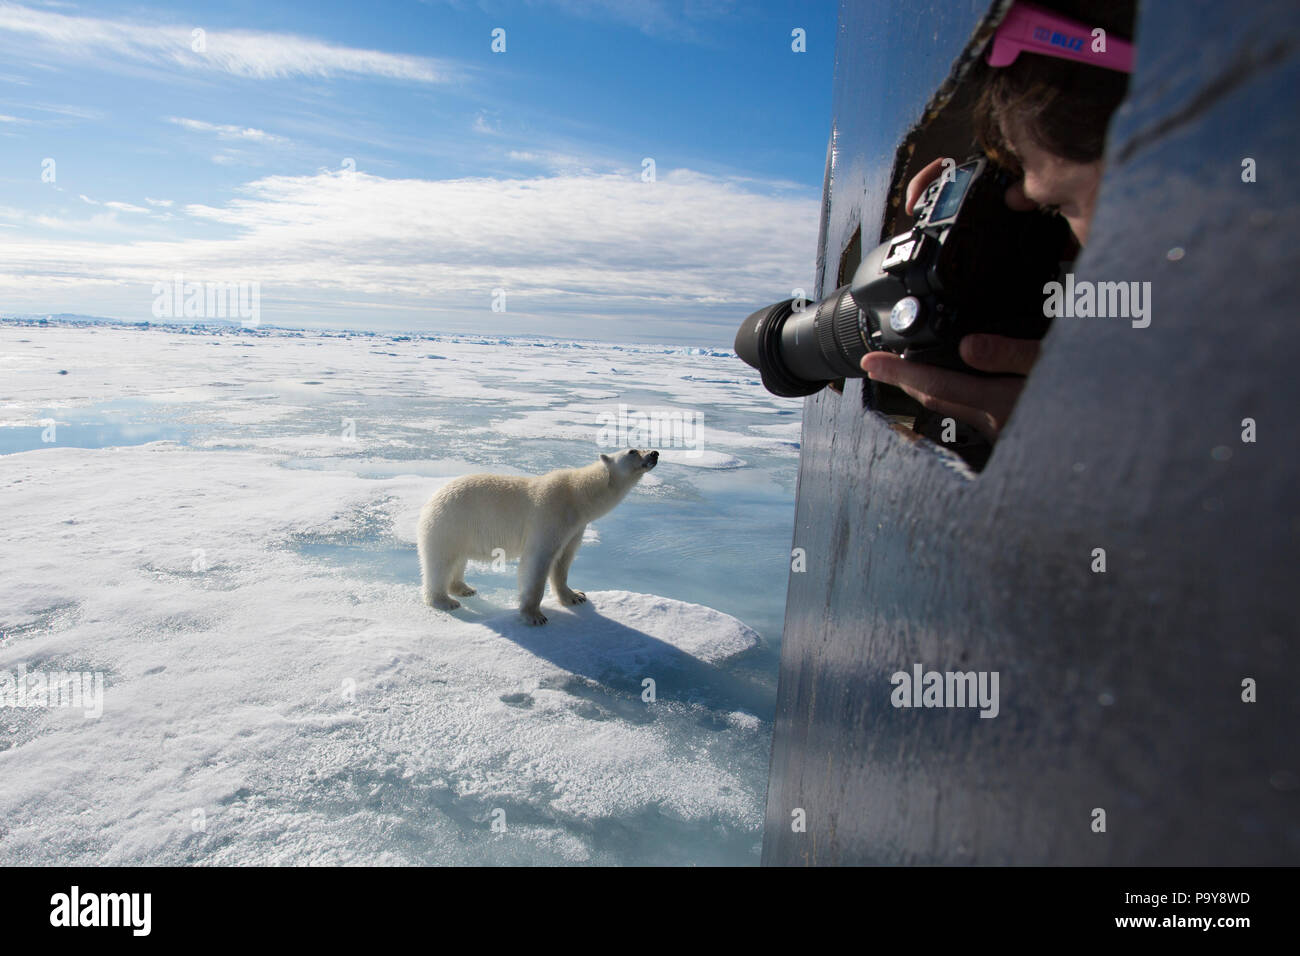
{"x":1119,"y":690}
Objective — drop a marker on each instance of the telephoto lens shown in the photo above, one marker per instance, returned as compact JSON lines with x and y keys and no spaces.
{"x":799,"y":348}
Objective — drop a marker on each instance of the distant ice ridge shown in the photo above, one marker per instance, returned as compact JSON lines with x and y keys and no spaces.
{"x":228,"y":327}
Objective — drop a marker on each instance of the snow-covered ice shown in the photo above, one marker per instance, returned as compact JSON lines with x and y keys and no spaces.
{"x":223,"y":526}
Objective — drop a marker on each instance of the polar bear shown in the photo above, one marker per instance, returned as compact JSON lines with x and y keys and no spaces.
{"x":539,"y":520}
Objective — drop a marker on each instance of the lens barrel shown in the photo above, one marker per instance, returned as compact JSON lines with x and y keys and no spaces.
{"x":799,"y":352}
{"x":840,"y":335}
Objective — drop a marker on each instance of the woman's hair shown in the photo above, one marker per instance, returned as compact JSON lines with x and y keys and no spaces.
{"x":1064,"y":105}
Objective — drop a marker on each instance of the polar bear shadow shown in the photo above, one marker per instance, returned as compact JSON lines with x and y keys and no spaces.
{"x":587,"y":644}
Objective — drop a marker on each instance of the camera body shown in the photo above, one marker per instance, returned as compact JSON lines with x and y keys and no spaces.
{"x":969,"y":263}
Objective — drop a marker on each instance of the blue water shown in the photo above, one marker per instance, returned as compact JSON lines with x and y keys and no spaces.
{"x":103,"y":425}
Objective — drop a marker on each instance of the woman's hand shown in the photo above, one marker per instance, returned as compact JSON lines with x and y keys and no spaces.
{"x":984,"y":403}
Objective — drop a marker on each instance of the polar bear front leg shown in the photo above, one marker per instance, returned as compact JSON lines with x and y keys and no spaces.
{"x":436,"y":568}
{"x":560,"y":571}
{"x":540,"y":552}
{"x":458,"y":585}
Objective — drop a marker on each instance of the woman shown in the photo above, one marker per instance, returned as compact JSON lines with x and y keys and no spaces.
{"x":1043,"y":115}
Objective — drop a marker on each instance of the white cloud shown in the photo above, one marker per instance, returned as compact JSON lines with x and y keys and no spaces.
{"x":239,"y":52}
{"x":113,"y":204}
{"x":157,"y":202}
{"x":561,"y":162}
{"x":76,"y":112}
{"x":591,"y":246}
{"x":244,"y":133}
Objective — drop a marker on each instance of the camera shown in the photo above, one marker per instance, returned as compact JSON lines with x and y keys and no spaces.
{"x":969,"y":263}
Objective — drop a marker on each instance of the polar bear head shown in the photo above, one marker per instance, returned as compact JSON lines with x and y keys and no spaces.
{"x":627,"y":467}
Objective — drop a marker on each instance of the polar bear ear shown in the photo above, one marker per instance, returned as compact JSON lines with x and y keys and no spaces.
{"x":606,"y":459}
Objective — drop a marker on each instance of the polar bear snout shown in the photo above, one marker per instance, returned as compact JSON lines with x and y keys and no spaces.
{"x":650,"y":460}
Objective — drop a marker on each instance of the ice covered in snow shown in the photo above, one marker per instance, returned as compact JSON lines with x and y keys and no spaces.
{"x":223,"y":526}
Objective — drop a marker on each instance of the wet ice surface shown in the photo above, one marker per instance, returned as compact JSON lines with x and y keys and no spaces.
{"x":224,"y":526}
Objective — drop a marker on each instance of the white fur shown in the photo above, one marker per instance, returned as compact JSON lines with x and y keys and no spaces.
{"x":537,"y":520}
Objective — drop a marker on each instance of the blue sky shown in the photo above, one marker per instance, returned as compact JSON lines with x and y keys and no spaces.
{"x":379,"y":166}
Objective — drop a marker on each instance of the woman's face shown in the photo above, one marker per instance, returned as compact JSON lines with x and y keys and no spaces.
{"x":1051,"y":180}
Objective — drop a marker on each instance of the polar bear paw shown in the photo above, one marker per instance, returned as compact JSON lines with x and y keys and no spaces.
{"x":532,"y":617}
{"x":444,"y":603}
{"x":461,"y":588}
{"x":573,"y":597}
